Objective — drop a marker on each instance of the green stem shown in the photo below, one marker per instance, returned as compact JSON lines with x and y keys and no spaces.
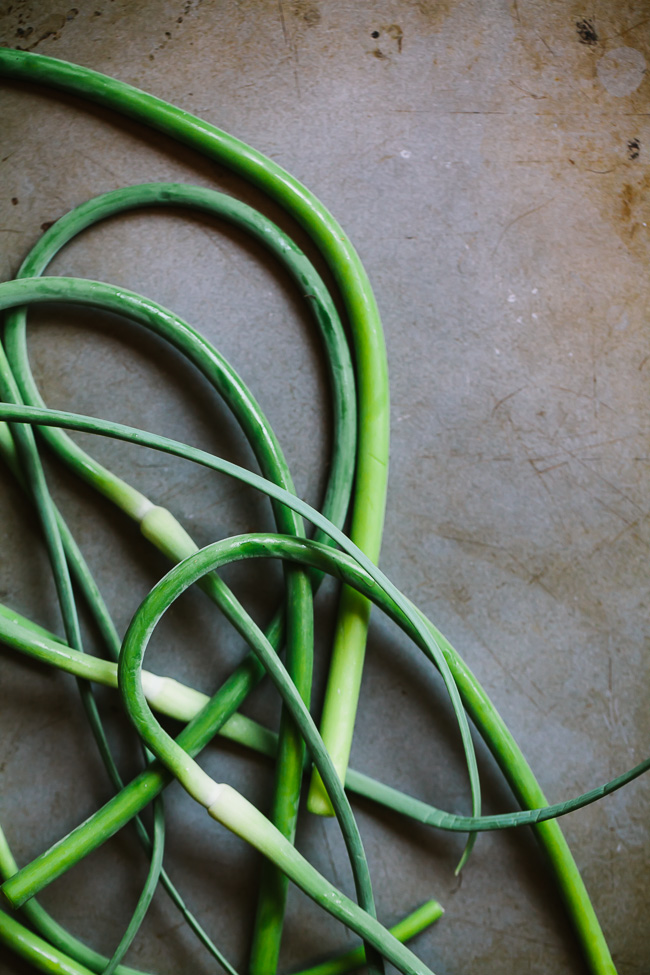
{"x":153,"y":316}
{"x":409,"y":927}
{"x":34,"y":477}
{"x":266,"y":233}
{"x":36,"y":951}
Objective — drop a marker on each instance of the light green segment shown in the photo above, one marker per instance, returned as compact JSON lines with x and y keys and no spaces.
{"x":36,"y":951}
{"x":404,"y":930}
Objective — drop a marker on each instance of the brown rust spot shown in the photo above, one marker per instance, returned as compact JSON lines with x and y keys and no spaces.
{"x":634,"y":210}
{"x":435,"y":11}
{"x":397,"y":34}
{"x":627,"y":197}
{"x":307,"y":12}
{"x":50,"y":27}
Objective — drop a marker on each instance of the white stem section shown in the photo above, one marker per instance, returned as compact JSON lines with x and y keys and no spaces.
{"x":171,"y":697}
{"x":241,"y":817}
{"x":164,"y":694}
{"x":163,"y":530}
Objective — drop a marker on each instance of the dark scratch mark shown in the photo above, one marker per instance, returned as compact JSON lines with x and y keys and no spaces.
{"x":605,"y":443}
{"x":612,"y":541}
{"x":541,"y":479}
{"x":628,"y":30}
{"x":292,"y":48}
{"x":546,"y":45}
{"x":587,"y":396}
{"x":551,"y":467}
{"x":601,"y":477}
{"x":525,"y":91}
{"x":533,"y":578}
{"x":521,"y":216}
{"x":283,"y":22}
{"x":603,"y":504}
{"x":95,"y":162}
{"x":505,"y":398}
{"x":608,"y":542}
{"x":507,"y":670}
{"x":225,"y":252}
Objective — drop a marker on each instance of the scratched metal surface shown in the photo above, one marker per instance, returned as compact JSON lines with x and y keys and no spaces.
{"x":490,"y":162}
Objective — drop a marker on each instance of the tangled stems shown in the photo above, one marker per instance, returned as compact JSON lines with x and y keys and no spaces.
{"x":61,"y":948}
{"x":272,"y":463}
{"x":484,"y":715}
{"x":224,"y":803}
{"x":38,"y":917}
{"x":29,"y":459}
{"x":150,"y":314}
{"x":40,"y":953}
{"x":404,"y":930}
{"x":372,"y":371}
{"x":56,"y":935}
{"x":63,"y":954}
{"x":196,"y":133}
{"x":372,"y":465}
{"x":236,"y":812}
{"x":54,"y":961}
{"x":266,"y":233}
{"x":175,"y":700}
{"x":268,"y":928}
{"x":298,"y":586}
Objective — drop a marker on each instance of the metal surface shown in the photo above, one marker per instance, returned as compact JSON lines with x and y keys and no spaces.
{"x":490,"y":163}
